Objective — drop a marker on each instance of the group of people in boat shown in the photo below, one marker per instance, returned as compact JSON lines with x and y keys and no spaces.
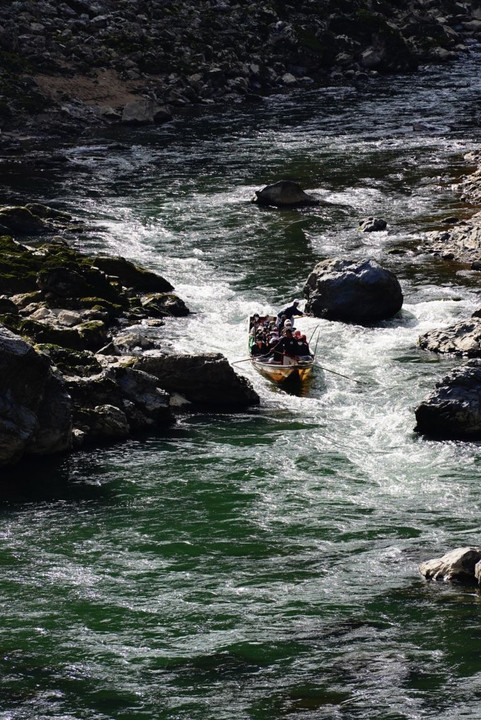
{"x":276,"y":340}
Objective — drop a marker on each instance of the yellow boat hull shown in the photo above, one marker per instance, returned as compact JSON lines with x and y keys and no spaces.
{"x":298,"y":372}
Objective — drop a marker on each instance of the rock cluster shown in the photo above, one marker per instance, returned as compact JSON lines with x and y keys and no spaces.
{"x":87,"y":60}
{"x":73,"y":331}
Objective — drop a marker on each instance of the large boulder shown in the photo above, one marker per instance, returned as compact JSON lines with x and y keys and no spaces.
{"x":284,"y":193}
{"x":346,"y":290}
{"x":115,"y":403}
{"x":463,"y":338}
{"x":453,"y":409}
{"x":35,"y":408}
{"x":461,"y":565}
{"x":206,"y":380}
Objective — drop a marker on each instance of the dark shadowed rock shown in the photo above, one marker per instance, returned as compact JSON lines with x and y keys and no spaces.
{"x":35,"y":412}
{"x":22,"y":221}
{"x":145,"y":112}
{"x":284,"y":193}
{"x":352,"y":292}
{"x":131,"y":275}
{"x":206,"y":380}
{"x":453,"y":409}
{"x":372,"y":224}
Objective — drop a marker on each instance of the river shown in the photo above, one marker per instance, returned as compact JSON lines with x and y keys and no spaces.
{"x":260,"y":565}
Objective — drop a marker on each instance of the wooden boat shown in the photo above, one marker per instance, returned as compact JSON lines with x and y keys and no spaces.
{"x":287,"y":371}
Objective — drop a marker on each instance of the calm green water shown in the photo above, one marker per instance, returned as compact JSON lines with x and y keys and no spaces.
{"x":262,"y":565}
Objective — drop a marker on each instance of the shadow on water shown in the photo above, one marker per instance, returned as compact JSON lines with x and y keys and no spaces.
{"x":66,"y":478}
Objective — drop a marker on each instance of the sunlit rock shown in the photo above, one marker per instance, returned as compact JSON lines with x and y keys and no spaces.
{"x":463,"y":338}
{"x":352,"y":292}
{"x":459,"y":566}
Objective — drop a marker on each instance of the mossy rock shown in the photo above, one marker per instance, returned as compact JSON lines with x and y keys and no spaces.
{"x":39,"y":332}
{"x":77,"y":281}
{"x":18,"y":269}
{"x":81,"y":363}
{"x":132,"y":276}
{"x":21,"y":220}
{"x":93,"y":333}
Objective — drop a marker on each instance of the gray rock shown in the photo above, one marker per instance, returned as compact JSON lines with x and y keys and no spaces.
{"x":463,"y":338}
{"x":145,"y":404}
{"x":284,"y":193}
{"x":345,"y":290}
{"x":372,"y":224}
{"x":453,"y":409}
{"x":102,"y":423}
{"x":461,"y":242}
{"x":461,"y":565}
{"x":145,"y":112}
{"x":206,"y":380}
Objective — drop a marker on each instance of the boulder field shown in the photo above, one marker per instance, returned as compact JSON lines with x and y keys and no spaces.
{"x":75,"y":63}
{"x":73,"y":331}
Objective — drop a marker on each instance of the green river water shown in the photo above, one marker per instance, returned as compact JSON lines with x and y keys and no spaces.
{"x":260,"y":565}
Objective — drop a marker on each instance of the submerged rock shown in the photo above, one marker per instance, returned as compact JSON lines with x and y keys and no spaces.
{"x":345,"y":290}
{"x":462,"y":565}
{"x":453,"y":409}
{"x":284,"y":193}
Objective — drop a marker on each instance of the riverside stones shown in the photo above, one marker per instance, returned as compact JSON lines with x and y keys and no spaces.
{"x":453,"y":409}
{"x":459,"y":243}
{"x":53,"y":56}
{"x":349,"y":291}
{"x":462,"y":565}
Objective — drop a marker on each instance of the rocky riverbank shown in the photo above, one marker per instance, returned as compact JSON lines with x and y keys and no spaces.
{"x":453,"y":408}
{"x":65,"y":66}
{"x":74,"y":333}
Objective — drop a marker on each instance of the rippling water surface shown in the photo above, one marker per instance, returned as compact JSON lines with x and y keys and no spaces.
{"x":265,"y":564}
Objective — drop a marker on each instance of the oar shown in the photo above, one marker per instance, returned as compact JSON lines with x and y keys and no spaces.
{"x":359,"y":382}
{"x":236,"y":362}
